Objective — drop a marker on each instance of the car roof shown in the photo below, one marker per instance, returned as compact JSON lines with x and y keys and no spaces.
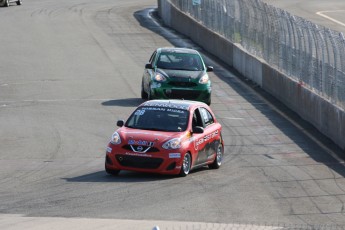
{"x":174,"y":104}
{"x":177,"y":50}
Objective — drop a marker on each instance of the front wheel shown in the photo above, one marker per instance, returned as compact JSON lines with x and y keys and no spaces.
{"x":7,"y":3}
{"x":208,"y":101}
{"x":186,"y":165}
{"x":19,"y":2}
{"x":219,"y":157}
{"x":149,"y":94}
{"x":144,"y":95}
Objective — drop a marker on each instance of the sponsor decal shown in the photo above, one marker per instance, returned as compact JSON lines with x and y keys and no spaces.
{"x":139,"y":154}
{"x":154,"y":109}
{"x":206,"y":138}
{"x":140,"y":142}
{"x":176,"y":110}
{"x":168,"y":105}
{"x":174,"y":155}
{"x":141,"y":111}
{"x":109,"y":150}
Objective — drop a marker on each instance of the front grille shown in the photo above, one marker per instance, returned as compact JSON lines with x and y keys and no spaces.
{"x":145,"y":149}
{"x":185,"y":94}
{"x":139,"y":162}
{"x":182,"y":84}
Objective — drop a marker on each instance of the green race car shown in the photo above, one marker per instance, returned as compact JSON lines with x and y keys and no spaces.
{"x":176,"y":73}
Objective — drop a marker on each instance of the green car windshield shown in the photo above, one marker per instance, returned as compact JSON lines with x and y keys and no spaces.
{"x":180,"y":61}
{"x":159,"y":119}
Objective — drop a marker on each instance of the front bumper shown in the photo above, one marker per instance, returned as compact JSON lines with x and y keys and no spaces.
{"x":199,"y":93}
{"x":162,"y":161}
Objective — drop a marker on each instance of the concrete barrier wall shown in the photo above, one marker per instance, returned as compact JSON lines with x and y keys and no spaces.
{"x":326,"y":117}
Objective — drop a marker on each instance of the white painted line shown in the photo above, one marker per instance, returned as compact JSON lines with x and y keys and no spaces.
{"x":322,"y":14}
{"x":232,"y":118}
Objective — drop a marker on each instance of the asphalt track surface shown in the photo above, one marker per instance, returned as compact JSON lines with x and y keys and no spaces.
{"x":70,"y":69}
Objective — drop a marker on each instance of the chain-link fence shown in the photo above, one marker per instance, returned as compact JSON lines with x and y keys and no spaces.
{"x":310,"y":54}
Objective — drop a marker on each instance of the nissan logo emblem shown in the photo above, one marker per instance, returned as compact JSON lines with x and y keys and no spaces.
{"x":140,"y":148}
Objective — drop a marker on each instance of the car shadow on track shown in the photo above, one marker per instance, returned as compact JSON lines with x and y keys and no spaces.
{"x":124,"y":176}
{"x":126,"y":102}
{"x":131,"y":177}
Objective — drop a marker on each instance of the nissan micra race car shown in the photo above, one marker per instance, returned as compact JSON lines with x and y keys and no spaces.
{"x":166,"y":137}
{"x":176,"y":73}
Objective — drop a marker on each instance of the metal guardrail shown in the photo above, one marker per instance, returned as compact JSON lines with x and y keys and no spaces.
{"x":312,"y":55}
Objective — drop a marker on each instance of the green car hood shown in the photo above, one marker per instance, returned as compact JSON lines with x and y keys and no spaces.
{"x":181,"y":75}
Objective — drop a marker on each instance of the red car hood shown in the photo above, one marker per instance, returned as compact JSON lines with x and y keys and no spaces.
{"x":146,"y":137}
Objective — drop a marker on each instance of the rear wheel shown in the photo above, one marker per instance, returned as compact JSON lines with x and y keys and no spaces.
{"x":112,"y":171}
{"x":19,"y":2}
{"x":219,"y":157}
{"x":186,"y":165}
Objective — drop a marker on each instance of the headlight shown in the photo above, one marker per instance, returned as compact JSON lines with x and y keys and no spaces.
{"x":204,"y":79}
{"x":160,"y":78}
{"x":172,"y":144}
{"x":115,"y":138}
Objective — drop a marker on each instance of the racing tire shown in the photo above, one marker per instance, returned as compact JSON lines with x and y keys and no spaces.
{"x":7,"y":3}
{"x":218,"y":159}
{"x":19,"y":2}
{"x":149,"y":95}
{"x":186,"y":165}
{"x":112,"y":171}
{"x":144,"y":95}
{"x":208,"y":102}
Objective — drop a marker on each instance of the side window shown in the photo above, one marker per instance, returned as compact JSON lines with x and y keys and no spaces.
{"x":206,"y":116}
{"x":197,"y":120}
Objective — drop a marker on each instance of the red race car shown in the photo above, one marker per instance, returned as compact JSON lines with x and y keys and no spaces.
{"x":167,"y":137}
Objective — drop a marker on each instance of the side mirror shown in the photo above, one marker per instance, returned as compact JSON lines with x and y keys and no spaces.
{"x":148,"y":66}
{"x":120,"y":123}
{"x":209,"y":69}
{"x":198,"y":129}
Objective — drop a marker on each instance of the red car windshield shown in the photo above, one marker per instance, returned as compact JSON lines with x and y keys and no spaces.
{"x":159,"y":118}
